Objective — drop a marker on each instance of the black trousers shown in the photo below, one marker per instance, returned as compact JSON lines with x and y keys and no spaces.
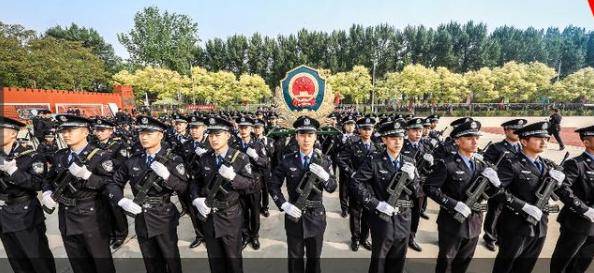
{"x":311,"y":248}
{"x":160,"y":253}
{"x":118,"y":220}
{"x":388,"y":256}
{"x":343,"y":191}
{"x":224,"y":253}
{"x":493,"y":211}
{"x":358,"y":222}
{"x":517,"y":253}
{"x":28,"y":250}
{"x":557,"y":135}
{"x":455,"y":253}
{"x":416,"y":214}
{"x":267,"y":177}
{"x":89,"y":252}
{"x":250,"y":203}
{"x":186,"y":203}
{"x":573,"y":252}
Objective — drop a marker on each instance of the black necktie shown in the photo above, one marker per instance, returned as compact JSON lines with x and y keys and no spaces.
{"x":149,"y":160}
{"x":471,"y":165}
{"x":366,"y":146}
{"x":538,"y":165}
{"x":305,"y":162}
{"x":396,"y":164}
{"x":219,"y":161}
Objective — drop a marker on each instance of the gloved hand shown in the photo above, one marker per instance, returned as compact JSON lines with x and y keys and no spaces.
{"x":291,"y":210}
{"x":462,"y":209}
{"x":200,"y":151}
{"x":129,"y":206}
{"x":491,"y":174}
{"x":9,"y":166}
{"x":478,"y":156}
{"x":409,"y":169}
{"x":428,"y":158}
{"x":533,"y":211}
{"x":252,"y":153}
{"x":200,"y":204}
{"x":79,"y":171}
{"x":319,"y":171}
{"x":590,"y":214}
{"x":434,"y":142}
{"x":227,"y":172}
{"x":386,"y":209}
{"x":47,"y":199}
{"x":558,"y":176}
{"x":160,"y":169}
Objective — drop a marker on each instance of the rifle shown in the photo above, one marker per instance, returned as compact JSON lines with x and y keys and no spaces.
{"x":397,"y":185}
{"x":306,"y":185}
{"x":150,"y":180}
{"x":545,"y":192}
{"x":476,"y":191}
{"x":484,"y":149}
{"x":213,"y":188}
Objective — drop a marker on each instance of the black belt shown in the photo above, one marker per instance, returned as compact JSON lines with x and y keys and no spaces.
{"x":154,"y":201}
{"x":217,"y":205}
{"x":313,"y":204}
{"x":72,"y":202}
{"x":15,"y":200}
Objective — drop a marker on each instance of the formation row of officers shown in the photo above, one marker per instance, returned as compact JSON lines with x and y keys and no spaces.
{"x":223,"y":172}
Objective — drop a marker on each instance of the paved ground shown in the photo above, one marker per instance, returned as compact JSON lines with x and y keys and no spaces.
{"x":336,"y":241}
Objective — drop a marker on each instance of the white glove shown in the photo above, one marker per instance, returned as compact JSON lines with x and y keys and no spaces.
{"x":558,"y":176}
{"x":428,"y":158}
{"x":462,"y":209}
{"x":291,"y":210}
{"x":433,"y":142}
{"x":200,"y":151}
{"x":160,"y":169}
{"x":478,"y":156}
{"x":491,"y":174}
{"x":252,"y":153}
{"x":79,"y":172}
{"x":9,"y":167}
{"x":386,"y":209}
{"x":47,"y":199}
{"x":227,"y":172}
{"x":533,"y":211}
{"x":590,"y":214}
{"x":129,"y":206}
{"x":200,"y":204}
{"x":319,"y":171}
{"x":409,"y":169}
{"x":344,"y":138}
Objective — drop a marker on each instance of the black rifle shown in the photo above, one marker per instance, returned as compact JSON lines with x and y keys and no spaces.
{"x":484,"y":149}
{"x":150,"y":180}
{"x":546,"y":191}
{"x":213,"y":188}
{"x":397,"y":185}
{"x":477,"y":191}
{"x":307,"y":184}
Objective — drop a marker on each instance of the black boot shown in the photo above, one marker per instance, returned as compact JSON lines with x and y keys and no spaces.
{"x":196,"y":243}
{"x":354,"y":245}
{"x":412,"y":243}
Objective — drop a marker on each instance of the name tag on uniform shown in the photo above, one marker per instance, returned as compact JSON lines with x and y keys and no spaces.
{"x":460,"y":172}
{"x":526,"y":172}
{"x":292,"y":169}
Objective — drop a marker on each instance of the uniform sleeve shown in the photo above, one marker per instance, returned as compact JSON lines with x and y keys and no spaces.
{"x":244,"y":179}
{"x":360,"y":185}
{"x":262,"y":161}
{"x":573,"y":177}
{"x":102,"y":173}
{"x":195,"y":185}
{"x":177,"y":180}
{"x":344,"y":161}
{"x":330,"y":185}
{"x":29,"y":174}
{"x":491,"y":153}
{"x":434,"y":183}
{"x":278,"y":178}
{"x":114,"y":190}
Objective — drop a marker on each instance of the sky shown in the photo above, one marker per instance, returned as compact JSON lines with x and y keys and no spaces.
{"x":224,"y":18}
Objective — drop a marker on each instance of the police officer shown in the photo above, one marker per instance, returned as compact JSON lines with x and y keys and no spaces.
{"x":447,"y":185}
{"x":520,"y":241}
{"x":347,"y":138}
{"x":190,"y":151}
{"x":179,"y":135}
{"x":48,"y":146}
{"x":511,"y":145}
{"x":250,"y":200}
{"x":119,"y":151}
{"x":22,"y":226}
{"x":349,"y":160}
{"x":223,"y":213}
{"x":555,"y":129}
{"x":448,"y":146}
{"x":156,"y":218}
{"x":304,"y":226}
{"x":575,"y":246}
{"x":82,"y":214}
{"x":370,"y":184}
{"x":416,"y":148}
{"x":268,"y":143}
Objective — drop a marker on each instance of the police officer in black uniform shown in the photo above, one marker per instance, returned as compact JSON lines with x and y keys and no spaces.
{"x":341,"y":142}
{"x":520,"y":241}
{"x":448,"y":146}
{"x":48,"y":146}
{"x":222,"y":229}
{"x":156,"y":218}
{"x":447,"y":185}
{"x":250,"y":200}
{"x":82,"y":214}
{"x":511,"y":146}
{"x":305,"y":227}
{"x":349,"y":160}
{"x":191,"y":151}
{"x":22,"y":226}
{"x":370,"y":184}
{"x":119,"y":151}
{"x":575,"y":246}
{"x":259,"y":126}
